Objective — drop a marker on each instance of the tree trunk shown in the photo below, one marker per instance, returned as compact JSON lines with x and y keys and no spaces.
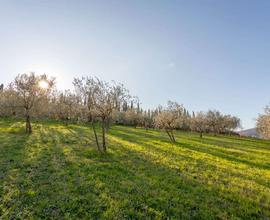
{"x":66,"y":121}
{"x":169,"y":134}
{"x":103,"y":136}
{"x":173,"y":138}
{"x":28,"y":127}
{"x":201,"y":135}
{"x":95,"y":133}
{"x":107,"y":122}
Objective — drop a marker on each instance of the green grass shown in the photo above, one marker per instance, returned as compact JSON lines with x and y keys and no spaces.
{"x":57,"y":173}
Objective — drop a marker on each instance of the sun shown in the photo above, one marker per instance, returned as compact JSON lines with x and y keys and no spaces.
{"x":43,"y":84}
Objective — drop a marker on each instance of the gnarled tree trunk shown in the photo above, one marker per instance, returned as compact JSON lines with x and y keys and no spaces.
{"x":95,"y":133}
{"x":103,"y":135}
{"x":171,"y":136}
{"x":28,"y":127}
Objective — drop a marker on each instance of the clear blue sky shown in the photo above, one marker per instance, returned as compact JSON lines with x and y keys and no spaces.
{"x":206,"y":54}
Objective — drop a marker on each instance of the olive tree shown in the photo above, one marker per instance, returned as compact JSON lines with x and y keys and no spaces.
{"x":146,"y":120}
{"x":31,"y":88}
{"x":219,"y":123}
{"x":199,"y":123}
{"x":9,"y":103}
{"x":230,"y":123}
{"x":66,"y":106}
{"x":169,"y":118}
{"x":133,"y":117}
{"x":263,"y":124}
{"x":214,"y":121}
{"x":100,"y":100}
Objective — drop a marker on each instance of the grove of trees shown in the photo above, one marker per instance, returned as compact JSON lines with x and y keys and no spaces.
{"x":99,"y":103}
{"x":29,"y":90}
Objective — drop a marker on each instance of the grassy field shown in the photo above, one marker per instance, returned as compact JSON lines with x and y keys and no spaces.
{"x":57,"y":173}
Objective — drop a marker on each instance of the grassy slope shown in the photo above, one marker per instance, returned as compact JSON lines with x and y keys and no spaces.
{"x":57,"y":173}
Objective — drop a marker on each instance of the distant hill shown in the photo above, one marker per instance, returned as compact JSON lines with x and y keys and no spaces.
{"x":249,"y":133}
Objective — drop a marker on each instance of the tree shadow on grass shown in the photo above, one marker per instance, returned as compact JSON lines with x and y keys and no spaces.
{"x":197,"y":146}
{"x":13,"y":144}
{"x":226,"y":141}
{"x":259,"y":145}
{"x":245,"y":148}
{"x":83,"y":187}
{"x":224,"y":155}
{"x":247,"y":139}
{"x":63,"y":180}
{"x":207,"y":150}
{"x":252,"y":156}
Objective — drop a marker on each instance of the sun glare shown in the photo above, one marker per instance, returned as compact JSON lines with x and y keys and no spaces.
{"x":43,"y":84}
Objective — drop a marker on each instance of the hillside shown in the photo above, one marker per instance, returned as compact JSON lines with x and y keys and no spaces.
{"x":57,"y":173}
{"x":249,"y":133}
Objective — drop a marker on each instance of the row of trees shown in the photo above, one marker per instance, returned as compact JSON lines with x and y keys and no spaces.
{"x":263,"y":123}
{"x":96,"y":102}
{"x":35,"y":96}
{"x":172,"y":118}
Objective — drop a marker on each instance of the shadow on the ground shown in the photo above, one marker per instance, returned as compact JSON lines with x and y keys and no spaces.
{"x":59,"y":174}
